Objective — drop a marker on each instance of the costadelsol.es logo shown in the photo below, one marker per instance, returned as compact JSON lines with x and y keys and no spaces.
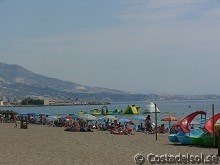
{"x":139,"y":159}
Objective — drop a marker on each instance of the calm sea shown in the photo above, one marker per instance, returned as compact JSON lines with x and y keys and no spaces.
{"x":176,"y":108}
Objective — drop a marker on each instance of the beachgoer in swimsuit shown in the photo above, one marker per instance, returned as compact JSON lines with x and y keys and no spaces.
{"x":148,"y":123}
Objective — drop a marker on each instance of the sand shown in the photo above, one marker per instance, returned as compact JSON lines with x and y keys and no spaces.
{"x":50,"y":145}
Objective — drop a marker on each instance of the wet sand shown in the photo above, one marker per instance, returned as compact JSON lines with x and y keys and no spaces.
{"x":50,"y":145}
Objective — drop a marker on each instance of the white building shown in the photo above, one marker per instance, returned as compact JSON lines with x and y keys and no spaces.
{"x":48,"y":102}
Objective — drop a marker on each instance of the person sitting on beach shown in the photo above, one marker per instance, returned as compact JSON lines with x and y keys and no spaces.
{"x":138,"y":128}
{"x":121,"y":130}
{"x":107,"y":124}
{"x":155,"y":130}
{"x":1,"y":118}
{"x":88,"y":127}
{"x":162,"y":129}
{"x":68,"y":128}
{"x":82,"y":126}
{"x":56,"y":123}
{"x":96,"y":125}
{"x":71,"y":128}
{"x":119,"y":124}
{"x":5,"y":118}
{"x":14,"y":120}
{"x":174,"y":129}
{"x":115,"y":123}
{"x":82,"y":129}
{"x":127,"y":131}
{"x":103,"y":127}
{"x":117,"y":131}
{"x":192,"y":126}
{"x":142,"y":127}
{"x":76,"y":127}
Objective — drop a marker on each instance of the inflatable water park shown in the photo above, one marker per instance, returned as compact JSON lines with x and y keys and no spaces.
{"x":129,"y":110}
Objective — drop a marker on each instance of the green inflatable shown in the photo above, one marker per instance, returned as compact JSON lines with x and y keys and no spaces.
{"x":132,"y":110}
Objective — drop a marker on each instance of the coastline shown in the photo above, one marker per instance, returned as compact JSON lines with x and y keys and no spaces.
{"x":56,"y":105}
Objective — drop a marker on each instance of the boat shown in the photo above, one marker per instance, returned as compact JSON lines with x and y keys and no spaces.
{"x":151,"y":108}
{"x":206,"y":139}
{"x":187,"y":138}
{"x":184,"y":128}
{"x":202,"y":136}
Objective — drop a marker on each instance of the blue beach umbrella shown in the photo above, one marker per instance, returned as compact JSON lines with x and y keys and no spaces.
{"x":75,"y":115}
{"x":110,"y":117}
{"x":139,"y":118}
{"x":124,"y":120}
{"x":51,"y":118}
{"x":88,"y":117}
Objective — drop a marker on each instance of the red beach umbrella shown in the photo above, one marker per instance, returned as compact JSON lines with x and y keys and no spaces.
{"x":67,"y":117}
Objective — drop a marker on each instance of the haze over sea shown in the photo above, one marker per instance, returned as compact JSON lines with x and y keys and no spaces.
{"x":178,"y":108}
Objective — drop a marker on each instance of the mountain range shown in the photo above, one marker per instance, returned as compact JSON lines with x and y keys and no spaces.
{"x":18,"y":75}
{"x":19,"y":82}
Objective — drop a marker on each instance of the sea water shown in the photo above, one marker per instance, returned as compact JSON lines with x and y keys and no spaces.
{"x":179,"y":109}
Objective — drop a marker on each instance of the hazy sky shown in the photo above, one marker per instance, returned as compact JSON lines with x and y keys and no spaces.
{"x":169,"y":46}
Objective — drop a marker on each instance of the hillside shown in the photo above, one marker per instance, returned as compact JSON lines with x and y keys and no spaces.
{"x":17,"y":82}
{"x":16,"y":74}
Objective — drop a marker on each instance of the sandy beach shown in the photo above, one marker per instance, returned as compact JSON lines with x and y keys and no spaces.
{"x":50,"y":145}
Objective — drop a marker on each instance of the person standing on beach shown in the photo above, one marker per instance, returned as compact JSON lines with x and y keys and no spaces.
{"x":148,"y":123}
{"x":14,"y":119}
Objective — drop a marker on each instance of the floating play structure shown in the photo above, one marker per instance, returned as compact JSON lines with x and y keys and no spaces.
{"x":202,"y":136}
{"x":105,"y":111}
{"x":95,"y":112}
{"x":131,"y":110}
{"x":184,"y":125}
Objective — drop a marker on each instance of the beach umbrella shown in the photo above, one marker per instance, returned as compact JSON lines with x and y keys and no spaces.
{"x":110,"y":117}
{"x":151,"y":108}
{"x":74,"y":115}
{"x":51,"y":118}
{"x":67,"y":117}
{"x":126,"y":120}
{"x":88,"y":117}
{"x":139,"y":118}
{"x":169,"y":119}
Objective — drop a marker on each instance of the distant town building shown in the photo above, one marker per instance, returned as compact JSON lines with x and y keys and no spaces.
{"x":4,"y":103}
{"x":48,"y":102}
{"x":15,"y":103}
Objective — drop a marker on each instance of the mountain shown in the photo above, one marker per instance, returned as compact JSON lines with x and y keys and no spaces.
{"x":17,"y":82}
{"x":16,"y":74}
